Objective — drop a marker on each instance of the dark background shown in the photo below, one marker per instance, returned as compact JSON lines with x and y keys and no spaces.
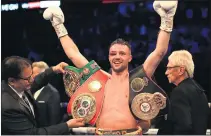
{"x":93,"y":26}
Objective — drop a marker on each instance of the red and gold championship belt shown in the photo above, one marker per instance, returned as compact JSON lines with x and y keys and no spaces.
{"x":147,"y":100}
{"x":85,"y":87}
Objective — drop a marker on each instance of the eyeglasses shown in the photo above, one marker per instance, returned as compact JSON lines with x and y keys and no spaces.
{"x":168,"y":68}
{"x":28,"y":78}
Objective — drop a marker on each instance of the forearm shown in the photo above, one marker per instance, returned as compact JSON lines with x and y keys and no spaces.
{"x":19,"y":124}
{"x":56,"y":16}
{"x":166,"y":10}
{"x":69,"y":46}
{"x":162,"y":43}
{"x":153,"y":60}
{"x":42,"y":79}
{"x":72,"y":52}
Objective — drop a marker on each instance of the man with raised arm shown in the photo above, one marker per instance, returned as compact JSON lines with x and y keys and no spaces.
{"x":130,"y":99}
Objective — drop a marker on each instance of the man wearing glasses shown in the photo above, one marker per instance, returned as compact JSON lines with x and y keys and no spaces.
{"x":188,"y":113}
{"x":18,"y":109}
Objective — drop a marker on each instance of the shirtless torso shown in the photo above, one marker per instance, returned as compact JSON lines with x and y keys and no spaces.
{"x":115,"y":113}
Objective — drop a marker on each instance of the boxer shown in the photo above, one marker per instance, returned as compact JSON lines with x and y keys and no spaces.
{"x":130,"y":99}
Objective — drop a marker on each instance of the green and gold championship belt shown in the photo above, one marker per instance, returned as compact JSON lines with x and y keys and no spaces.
{"x":85,"y":87}
{"x":147,"y":100}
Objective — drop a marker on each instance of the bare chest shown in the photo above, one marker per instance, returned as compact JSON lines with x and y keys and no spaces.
{"x":116,"y":93}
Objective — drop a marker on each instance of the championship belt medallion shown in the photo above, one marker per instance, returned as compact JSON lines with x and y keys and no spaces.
{"x":84,"y":106}
{"x":137,"y":84}
{"x":147,"y":99}
{"x":71,"y":81}
{"x":146,"y":106}
{"x":87,"y":92}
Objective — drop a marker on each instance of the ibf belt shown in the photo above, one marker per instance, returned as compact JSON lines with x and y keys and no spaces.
{"x":147,"y":99}
{"x":86,"y":89}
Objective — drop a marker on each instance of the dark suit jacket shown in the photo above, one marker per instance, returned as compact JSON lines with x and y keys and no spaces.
{"x":16,"y":119}
{"x":48,"y":103}
{"x":188,"y":113}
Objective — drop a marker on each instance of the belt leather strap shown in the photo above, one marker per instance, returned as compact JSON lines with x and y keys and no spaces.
{"x":87,"y":92}
{"x":146,"y":100}
{"x":137,"y":131}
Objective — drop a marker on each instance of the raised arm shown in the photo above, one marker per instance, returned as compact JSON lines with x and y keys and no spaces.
{"x":72,"y":52}
{"x":56,"y":16}
{"x":166,"y":10}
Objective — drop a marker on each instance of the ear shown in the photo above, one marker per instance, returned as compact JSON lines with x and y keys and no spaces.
{"x":130,"y":59}
{"x":182,"y":71}
{"x":11,"y":80}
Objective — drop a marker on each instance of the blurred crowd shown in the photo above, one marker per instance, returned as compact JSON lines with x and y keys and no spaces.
{"x":94,"y":26}
{"x":95,"y":29}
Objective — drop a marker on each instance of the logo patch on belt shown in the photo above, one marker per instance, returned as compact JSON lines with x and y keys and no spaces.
{"x":94,"y":86}
{"x":86,"y":71}
{"x":160,"y":100}
{"x":145,"y":107}
{"x":71,"y":82}
{"x":137,"y":84}
{"x":84,"y":106}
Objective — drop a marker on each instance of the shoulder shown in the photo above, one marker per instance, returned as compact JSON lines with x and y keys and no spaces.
{"x":8,"y":102}
{"x":179,"y":92}
{"x":51,"y":88}
{"x":5,"y":95}
{"x":187,"y":86}
{"x":139,"y":69}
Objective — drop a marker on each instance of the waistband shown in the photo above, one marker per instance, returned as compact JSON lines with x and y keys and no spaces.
{"x":135,"y":131}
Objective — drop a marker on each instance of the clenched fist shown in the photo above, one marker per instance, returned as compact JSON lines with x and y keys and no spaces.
{"x":166,"y":10}
{"x":56,"y":16}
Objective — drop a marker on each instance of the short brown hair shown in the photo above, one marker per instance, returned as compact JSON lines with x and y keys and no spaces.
{"x":122,"y":42}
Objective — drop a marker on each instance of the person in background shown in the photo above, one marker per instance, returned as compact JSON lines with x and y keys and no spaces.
{"x":47,"y":98}
{"x":18,"y":108}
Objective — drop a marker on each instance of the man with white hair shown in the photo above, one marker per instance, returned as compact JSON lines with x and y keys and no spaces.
{"x":188,"y":113}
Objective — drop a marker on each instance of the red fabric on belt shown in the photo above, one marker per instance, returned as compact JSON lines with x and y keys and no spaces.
{"x":99,"y":95}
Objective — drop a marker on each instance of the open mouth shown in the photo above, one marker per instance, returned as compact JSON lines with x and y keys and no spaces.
{"x":117,"y":62}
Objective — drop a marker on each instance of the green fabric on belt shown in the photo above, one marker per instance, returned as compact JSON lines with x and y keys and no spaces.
{"x":85,"y":72}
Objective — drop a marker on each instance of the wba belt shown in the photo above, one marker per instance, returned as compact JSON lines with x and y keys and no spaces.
{"x":147,"y":100}
{"x":85,"y":86}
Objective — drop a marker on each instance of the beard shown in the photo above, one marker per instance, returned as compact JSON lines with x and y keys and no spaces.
{"x":119,"y":69}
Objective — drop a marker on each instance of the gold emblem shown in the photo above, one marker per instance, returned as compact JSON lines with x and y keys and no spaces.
{"x":94,"y":65}
{"x":144,"y":107}
{"x":137,"y":84}
{"x":71,"y":82}
{"x":84,"y":106}
{"x":160,"y":100}
{"x":94,"y":86}
{"x":86,"y":71}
